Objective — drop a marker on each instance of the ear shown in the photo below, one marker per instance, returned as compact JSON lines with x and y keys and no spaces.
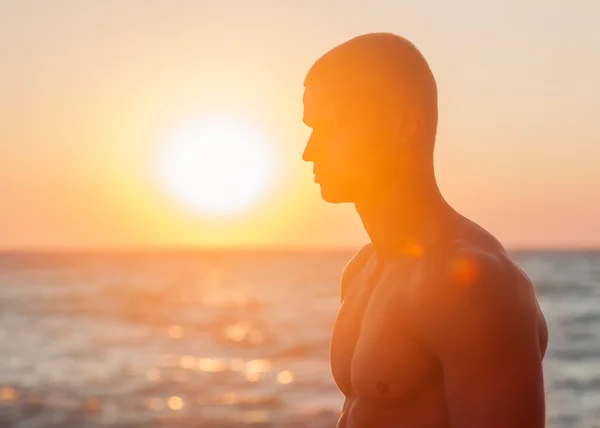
{"x":410,"y":125}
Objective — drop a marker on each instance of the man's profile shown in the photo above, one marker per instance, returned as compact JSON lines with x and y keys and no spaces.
{"x":438,"y":327}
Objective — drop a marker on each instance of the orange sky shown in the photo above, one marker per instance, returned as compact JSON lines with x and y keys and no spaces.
{"x":91,"y":89}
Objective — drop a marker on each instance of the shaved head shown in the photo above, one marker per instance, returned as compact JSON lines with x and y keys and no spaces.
{"x":372,"y":105}
{"x":378,"y":73}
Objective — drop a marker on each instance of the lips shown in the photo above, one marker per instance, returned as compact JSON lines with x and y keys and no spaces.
{"x":319,"y":174}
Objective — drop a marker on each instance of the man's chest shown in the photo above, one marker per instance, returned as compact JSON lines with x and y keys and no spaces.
{"x":375,"y":350}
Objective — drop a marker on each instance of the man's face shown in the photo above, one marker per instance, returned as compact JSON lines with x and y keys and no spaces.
{"x":345,"y":146}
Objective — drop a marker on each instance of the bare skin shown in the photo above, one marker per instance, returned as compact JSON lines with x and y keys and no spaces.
{"x":438,"y":327}
{"x":421,"y":342}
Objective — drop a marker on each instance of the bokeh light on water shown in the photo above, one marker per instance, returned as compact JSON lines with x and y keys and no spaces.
{"x":145,"y":340}
{"x":227,"y":340}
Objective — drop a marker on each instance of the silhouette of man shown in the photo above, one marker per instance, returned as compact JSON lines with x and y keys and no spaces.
{"x":438,"y":327}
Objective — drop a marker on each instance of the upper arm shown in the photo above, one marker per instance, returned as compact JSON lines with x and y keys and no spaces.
{"x":482,"y":327}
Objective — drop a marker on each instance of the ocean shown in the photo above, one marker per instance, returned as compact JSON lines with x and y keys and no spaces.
{"x":229,"y":339}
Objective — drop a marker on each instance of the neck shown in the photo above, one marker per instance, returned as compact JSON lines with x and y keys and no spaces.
{"x":405,"y":218}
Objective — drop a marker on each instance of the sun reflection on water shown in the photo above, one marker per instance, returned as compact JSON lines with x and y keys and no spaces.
{"x":244,"y":331}
{"x":237,"y":332}
{"x":211,"y":365}
{"x":175,"y":403}
{"x":285,"y":377}
{"x":188,"y":362}
{"x":258,"y":366}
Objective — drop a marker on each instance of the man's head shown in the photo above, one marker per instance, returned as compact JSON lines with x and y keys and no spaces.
{"x":372,"y":105}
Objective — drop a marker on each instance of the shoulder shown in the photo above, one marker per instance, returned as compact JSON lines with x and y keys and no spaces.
{"x":470,"y":290}
{"x":355,"y":266}
{"x":464,"y":266}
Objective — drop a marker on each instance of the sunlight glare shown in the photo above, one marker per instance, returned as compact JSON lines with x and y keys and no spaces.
{"x":217,"y":166}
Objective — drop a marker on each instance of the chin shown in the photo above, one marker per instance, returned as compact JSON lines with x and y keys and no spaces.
{"x":335,"y":196}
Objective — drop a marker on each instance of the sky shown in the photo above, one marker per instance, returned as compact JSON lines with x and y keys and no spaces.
{"x":91,"y":90}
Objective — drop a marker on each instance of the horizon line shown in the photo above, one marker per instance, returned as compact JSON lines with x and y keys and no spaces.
{"x":258,"y":249}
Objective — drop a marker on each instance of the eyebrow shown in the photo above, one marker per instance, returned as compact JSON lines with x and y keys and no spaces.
{"x":306,"y":122}
{"x":313,"y":121}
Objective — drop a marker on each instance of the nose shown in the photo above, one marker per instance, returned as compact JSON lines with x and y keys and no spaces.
{"x":308,"y":154}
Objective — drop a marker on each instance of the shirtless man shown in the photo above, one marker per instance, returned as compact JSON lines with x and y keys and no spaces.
{"x":438,"y":327}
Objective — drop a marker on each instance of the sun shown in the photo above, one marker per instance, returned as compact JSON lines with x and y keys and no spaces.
{"x":217,"y":165}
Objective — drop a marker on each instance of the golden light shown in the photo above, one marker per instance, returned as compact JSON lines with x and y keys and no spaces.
{"x":175,"y":403}
{"x":211,"y":365}
{"x":188,"y":362}
{"x":217,"y":166}
{"x":285,"y":377}
{"x":237,"y":332}
{"x":258,"y":366}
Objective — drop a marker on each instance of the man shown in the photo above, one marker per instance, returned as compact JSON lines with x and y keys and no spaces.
{"x":437,"y":326}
